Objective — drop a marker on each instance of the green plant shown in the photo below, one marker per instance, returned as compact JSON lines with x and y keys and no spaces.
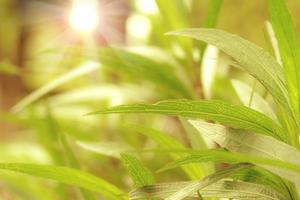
{"x":269,"y":144}
{"x":258,"y":154}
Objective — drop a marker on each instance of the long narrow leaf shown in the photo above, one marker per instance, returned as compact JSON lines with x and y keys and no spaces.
{"x":194,"y":186}
{"x":67,"y":176}
{"x":235,"y":116}
{"x":231,"y":157}
{"x":224,"y":188}
{"x":289,"y":47}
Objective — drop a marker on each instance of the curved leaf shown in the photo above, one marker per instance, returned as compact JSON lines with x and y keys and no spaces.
{"x":231,"y":115}
{"x":256,"y":61}
{"x":289,"y":48}
{"x":224,"y":188}
{"x":231,"y":157}
{"x":67,"y":176}
{"x":260,"y":145}
{"x":194,"y":186}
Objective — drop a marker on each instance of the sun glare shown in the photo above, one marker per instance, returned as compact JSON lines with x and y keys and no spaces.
{"x":147,"y":6}
{"x":84,"y":16}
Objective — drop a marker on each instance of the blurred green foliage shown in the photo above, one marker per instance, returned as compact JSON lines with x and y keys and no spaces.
{"x":58,"y":75}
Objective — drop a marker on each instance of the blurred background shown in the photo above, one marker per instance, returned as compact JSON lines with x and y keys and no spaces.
{"x":30,"y":27}
{"x":62,"y":59}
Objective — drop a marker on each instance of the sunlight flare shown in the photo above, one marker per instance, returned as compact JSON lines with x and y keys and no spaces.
{"x":84,"y":16}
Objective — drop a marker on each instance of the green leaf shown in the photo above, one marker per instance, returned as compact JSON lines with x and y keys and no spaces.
{"x":289,"y":47}
{"x":260,"y":145}
{"x":67,"y":176}
{"x":238,"y":141}
{"x":194,"y":186}
{"x":37,"y":94}
{"x":165,"y":141}
{"x":231,"y":157}
{"x":139,"y":174}
{"x":231,"y":115}
{"x":252,"y":58}
{"x":225,"y":188}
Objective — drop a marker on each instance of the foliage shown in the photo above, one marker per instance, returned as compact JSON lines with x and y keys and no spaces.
{"x":244,"y":147}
